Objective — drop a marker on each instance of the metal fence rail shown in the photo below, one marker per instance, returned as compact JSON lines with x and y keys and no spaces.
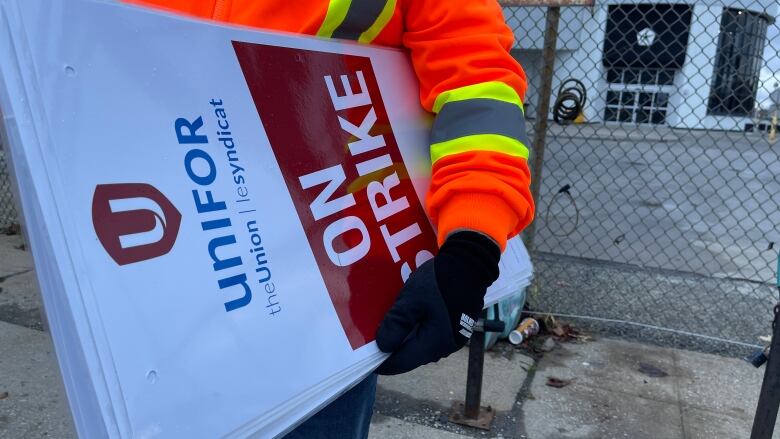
{"x":659,"y":203}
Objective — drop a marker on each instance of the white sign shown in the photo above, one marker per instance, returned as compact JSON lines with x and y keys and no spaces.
{"x":212,"y":224}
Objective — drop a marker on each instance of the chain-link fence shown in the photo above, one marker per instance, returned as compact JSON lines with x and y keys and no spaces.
{"x":7,"y":210}
{"x":659,"y":203}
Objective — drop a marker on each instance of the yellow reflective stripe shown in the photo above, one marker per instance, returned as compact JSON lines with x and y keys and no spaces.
{"x":337,"y":10}
{"x":486,"y":90}
{"x":479,"y":142}
{"x":384,"y":17}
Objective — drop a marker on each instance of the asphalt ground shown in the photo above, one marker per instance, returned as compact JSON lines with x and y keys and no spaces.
{"x":670,"y":228}
{"x":704,"y":202}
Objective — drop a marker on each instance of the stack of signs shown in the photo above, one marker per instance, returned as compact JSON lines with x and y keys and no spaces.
{"x":219,"y":217}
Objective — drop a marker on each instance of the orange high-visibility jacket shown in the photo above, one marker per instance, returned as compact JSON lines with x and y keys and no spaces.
{"x":460,"y":52}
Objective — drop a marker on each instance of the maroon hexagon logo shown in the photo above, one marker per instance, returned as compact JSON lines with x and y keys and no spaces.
{"x":134,"y":221}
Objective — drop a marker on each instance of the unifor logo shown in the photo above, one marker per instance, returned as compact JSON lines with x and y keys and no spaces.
{"x":134,"y":221}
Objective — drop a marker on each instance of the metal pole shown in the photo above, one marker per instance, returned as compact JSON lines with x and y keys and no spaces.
{"x":474,"y":374}
{"x":769,"y":399}
{"x":540,"y":127}
{"x":470,"y":412}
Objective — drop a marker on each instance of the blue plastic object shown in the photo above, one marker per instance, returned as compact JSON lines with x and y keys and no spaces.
{"x":509,"y":311}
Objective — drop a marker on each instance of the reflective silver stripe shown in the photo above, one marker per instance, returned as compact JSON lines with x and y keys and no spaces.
{"x":360,"y":16}
{"x":479,"y":116}
{"x":466,"y":325}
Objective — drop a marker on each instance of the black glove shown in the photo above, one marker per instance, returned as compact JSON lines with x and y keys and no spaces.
{"x":439,"y":304}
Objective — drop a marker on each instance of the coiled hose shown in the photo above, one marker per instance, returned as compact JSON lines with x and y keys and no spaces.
{"x":570,"y":101}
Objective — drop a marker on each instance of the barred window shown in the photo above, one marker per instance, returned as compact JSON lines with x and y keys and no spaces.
{"x":636,"y":106}
{"x":738,"y":63}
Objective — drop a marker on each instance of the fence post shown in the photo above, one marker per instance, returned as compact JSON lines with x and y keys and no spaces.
{"x":769,"y":398}
{"x":540,"y":126}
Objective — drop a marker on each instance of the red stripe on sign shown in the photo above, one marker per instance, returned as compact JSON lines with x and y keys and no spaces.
{"x":331,"y":136}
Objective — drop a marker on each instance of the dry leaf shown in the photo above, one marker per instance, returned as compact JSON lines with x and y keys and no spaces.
{"x":557,"y":382}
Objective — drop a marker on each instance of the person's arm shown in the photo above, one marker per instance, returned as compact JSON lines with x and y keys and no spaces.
{"x":479,"y":195}
{"x":479,"y":149}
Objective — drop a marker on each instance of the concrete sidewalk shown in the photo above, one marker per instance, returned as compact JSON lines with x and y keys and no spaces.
{"x":616,"y":389}
{"x":611,"y":388}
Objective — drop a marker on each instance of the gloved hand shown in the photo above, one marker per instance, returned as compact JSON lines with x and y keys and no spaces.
{"x":439,"y":304}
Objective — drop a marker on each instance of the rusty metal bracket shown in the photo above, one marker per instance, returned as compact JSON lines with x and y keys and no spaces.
{"x":483,"y":420}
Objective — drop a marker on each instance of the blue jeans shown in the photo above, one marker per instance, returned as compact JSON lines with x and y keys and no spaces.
{"x":348,"y":417}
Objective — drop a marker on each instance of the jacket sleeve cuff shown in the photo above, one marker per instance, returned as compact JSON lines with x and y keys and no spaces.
{"x":484,"y":213}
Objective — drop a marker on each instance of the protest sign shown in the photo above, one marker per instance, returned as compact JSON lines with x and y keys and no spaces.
{"x":219,"y":217}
